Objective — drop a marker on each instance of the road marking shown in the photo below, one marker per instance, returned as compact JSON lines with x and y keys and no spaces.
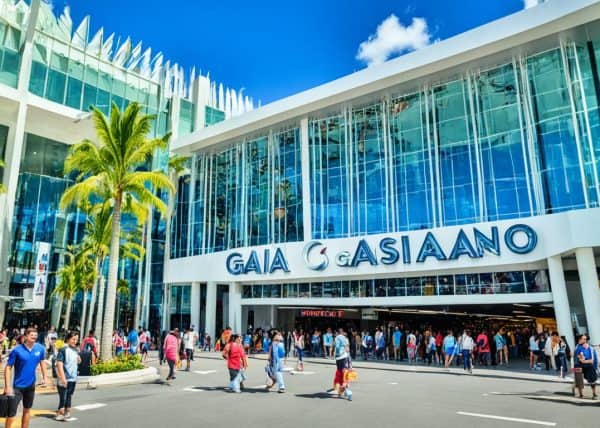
{"x":392,"y":383}
{"x":84,"y":407}
{"x":204,"y":372}
{"x":193,"y":389}
{"x":504,"y":418}
{"x":287,"y":369}
{"x":301,"y":372}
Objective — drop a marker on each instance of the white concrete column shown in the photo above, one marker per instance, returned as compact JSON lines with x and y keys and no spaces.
{"x":272,"y":316}
{"x":195,"y":306}
{"x":305,"y":162}
{"x":562,"y":310}
{"x":235,"y":307}
{"x":14,"y":148}
{"x":590,"y":290}
{"x":211,"y":310}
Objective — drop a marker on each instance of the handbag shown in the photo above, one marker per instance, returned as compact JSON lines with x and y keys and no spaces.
{"x":9,"y":405}
{"x":350,"y":375}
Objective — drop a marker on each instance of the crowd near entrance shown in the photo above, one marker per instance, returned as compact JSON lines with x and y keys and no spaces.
{"x":500,"y":334}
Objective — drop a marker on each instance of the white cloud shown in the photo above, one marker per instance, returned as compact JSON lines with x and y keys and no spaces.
{"x":393,"y":38}
{"x":530,"y":3}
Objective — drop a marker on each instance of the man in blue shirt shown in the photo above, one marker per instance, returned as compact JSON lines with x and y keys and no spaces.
{"x":24,"y":358}
{"x":133,"y":340}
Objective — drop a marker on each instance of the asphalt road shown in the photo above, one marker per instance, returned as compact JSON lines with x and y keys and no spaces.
{"x":382,"y":398}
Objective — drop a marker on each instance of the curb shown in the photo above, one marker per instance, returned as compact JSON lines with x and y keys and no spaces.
{"x":147,"y":375}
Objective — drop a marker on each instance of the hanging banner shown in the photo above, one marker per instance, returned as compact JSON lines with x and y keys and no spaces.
{"x":40,"y":283}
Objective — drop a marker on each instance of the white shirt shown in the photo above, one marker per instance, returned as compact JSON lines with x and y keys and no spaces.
{"x":533,"y":345}
{"x":190,"y":340}
{"x":467,"y":343}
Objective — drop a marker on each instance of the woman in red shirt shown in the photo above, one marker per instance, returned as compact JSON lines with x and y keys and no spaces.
{"x":236,"y":361}
{"x":171,"y":346}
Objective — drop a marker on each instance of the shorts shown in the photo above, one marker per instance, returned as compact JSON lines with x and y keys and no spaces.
{"x":342,"y":364}
{"x":449,"y":350}
{"x":189,"y":354}
{"x":28,"y":394}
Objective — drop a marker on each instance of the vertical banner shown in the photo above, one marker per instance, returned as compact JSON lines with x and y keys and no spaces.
{"x":40,"y":283}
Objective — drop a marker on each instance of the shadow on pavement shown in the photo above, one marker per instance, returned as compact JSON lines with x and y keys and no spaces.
{"x":319,"y":395}
{"x":226,"y":390}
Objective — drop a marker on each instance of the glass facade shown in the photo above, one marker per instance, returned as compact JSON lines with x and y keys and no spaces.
{"x":443,"y":285}
{"x":515,"y":140}
{"x":67,"y":75}
{"x":37,"y":217}
{"x":248,"y":194}
{"x":10,"y":39}
{"x":507,"y":142}
{"x":212,"y":116}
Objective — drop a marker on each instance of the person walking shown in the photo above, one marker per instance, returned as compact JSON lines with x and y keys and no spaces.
{"x":379,"y":344}
{"x":467,"y":346}
{"x":315,"y":342}
{"x":411,"y":347}
{"x":170,"y":350}
{"x":561,"y":357}
{"x":118,"y":343}
{"x":483,"y":349}
{"x":430,"y":347}
{"x":190,"y":338}
{"x":236,"y":361}
{"x":67,"y":361}
{"x":396,"y":341}
{"x":342,"y":363}
{"x":133,"y":341}
{"x":500,"y":344}
{"x":449,"y":345}
{"x":586,"y":363}
{"x":90,"y":344}
{"x":534,"y":349}
{"x":275,"y":361}
{"x":299,"y":347}
{"x":328,"y":343}
{"x":23,"y":361}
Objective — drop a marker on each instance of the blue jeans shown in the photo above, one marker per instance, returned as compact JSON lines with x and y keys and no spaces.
{"x":316,"y":350}
{"x":466,"y":354}
{"x":279,"y":379}
{"x":235,"y":377}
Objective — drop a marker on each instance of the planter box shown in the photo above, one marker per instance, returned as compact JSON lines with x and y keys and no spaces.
{"x":147,"y":375}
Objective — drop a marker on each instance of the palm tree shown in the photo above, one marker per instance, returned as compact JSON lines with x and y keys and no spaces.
{"x":97,"y":242}
{"x":76,"y":275}
{"x":112,"y":169}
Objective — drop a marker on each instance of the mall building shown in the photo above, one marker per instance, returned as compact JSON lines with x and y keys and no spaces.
{"x":51,"y":71}
{"x":459,"y":180}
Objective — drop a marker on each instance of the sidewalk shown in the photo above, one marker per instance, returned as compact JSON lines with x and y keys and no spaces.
{"x":520,"y":371}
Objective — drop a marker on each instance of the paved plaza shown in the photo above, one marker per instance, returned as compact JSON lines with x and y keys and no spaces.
{"x":413,"y":397}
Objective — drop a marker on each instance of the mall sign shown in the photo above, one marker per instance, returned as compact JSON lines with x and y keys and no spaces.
{"x":519,"y":239}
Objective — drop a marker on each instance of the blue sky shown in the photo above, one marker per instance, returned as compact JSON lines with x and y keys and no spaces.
{"x":274,"y":49}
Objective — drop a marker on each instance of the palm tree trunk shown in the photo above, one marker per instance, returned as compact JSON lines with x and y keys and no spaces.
{"x":68,"y":313}
{"x":90,"y":319}
{"x":84,"y":312}
{"x":59,"y":305}
{"x":140,"y":287}
{"x":100,"y":311}
{"x":111,"y":288}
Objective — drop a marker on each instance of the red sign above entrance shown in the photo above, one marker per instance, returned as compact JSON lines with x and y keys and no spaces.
{"x":321,"y":314}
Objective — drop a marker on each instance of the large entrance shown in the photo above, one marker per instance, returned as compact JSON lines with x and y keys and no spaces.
{"x":436,"y":318}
